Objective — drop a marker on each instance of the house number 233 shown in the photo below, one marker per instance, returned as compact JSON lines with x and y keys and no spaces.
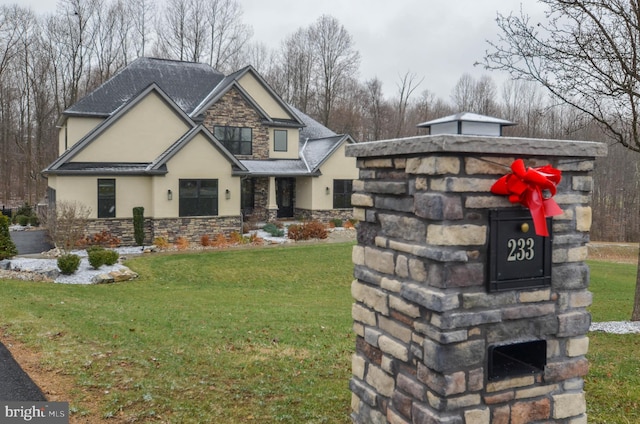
{"x":521,"y":249}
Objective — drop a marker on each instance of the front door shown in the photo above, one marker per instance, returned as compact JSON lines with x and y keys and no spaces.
{"x":284,"y":197}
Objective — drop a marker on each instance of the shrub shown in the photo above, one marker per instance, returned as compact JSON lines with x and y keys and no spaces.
{"x":95,"y":256}
{"x":255,"y":239}
{"x":103,"y":238}
{"x":314,"y":229}
{"x":336,"y":222}
{"x":7,"y":246}
{"x":68,"y":263}
{"x":182,"y":243}
{"x":110,"y":257}
{"x":351,"y":223}
{"x":34,"y":221}
{"x":205,"y":240}
{"x":161,"y":243}
{"x":308,"y":230}
{"x":26,"y":210}
{"x":22,"y":220}
{"x":236,"y":238}
{"x":273,"y":229}
{"x":219,"y":241}
{"x":295,"y":232}
{"x":138,"y":225}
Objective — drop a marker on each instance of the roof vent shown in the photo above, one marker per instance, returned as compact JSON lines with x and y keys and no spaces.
{"x":466,"y":123}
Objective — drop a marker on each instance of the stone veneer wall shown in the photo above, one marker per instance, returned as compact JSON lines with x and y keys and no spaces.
{"x":191,"y":228}
{"x":233,"y":110}
{"x":422,"y":315}
{"x":324,"y":215}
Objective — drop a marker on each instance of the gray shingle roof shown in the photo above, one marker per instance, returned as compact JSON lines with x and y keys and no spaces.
{"x":313,"y":128}
{"x":316,"y":151}
{"x":187,"y":83}
{"x":276,"y":167}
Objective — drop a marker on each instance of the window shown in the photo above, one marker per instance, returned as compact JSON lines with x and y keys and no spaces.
{"x":280,"y":140}
{"x":247,"y":199}
{"x":106,"y":198}
{"x":198,"y":197}
{"x":342,"y":194}
{"x":236,"y":139}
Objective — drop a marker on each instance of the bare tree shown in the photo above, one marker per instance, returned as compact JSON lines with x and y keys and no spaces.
{"x":228,"y":36}
{"x":294,"y":76}
{"x":142,"y":13}
{"x":67,"y":223}
{"x":172,"y":30}
{"x":586,"y":54}
{"x":406,"y":86}
{"x":375,"y":102}
{"x":337,"y":60}
{"x":477,"y":96}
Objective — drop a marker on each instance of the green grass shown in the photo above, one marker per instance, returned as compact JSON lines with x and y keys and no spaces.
{"x":230,"y":336}
{"x":612,"y":285}
{"x":260,"y":335}
{"x":612,"y":385}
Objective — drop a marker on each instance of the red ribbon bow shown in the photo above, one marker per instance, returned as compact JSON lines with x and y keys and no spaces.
{"x":526,"y":186}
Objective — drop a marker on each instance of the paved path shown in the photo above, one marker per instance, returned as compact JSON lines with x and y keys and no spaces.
{"x":15,"y":384}
{"x":31,"y":241}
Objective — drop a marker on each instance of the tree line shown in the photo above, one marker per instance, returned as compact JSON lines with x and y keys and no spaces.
{"x":49,"y":61}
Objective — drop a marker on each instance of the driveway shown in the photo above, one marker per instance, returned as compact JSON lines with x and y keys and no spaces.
{"x":15,"y":384}
{"x":31,"y":241}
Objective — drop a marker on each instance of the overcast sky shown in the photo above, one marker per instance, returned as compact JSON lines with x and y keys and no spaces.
{"x":439,"y":40}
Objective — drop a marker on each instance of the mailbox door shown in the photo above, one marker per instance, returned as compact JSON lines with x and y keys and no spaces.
{"x":518,"y":258}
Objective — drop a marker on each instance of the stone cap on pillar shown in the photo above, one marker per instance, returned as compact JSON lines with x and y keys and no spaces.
{"x":477,"y":145}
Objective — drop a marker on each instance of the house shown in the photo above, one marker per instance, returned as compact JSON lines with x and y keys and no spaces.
{"x":200,"y":151}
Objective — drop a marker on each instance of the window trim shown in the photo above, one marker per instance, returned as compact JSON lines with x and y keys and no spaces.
{"x":275,"y":140}
{"x":111,"y":198}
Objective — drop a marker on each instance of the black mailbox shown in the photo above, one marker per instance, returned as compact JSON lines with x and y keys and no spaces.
{"x":518,"y":258}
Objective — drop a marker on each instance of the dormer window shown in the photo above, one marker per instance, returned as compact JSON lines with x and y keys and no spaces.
{"x":236,"y":139}
{"x":279,"y":140}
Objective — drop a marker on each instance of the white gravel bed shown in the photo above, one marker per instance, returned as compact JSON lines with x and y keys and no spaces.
{"x":616,"y":327}
{"x":83,"y":275}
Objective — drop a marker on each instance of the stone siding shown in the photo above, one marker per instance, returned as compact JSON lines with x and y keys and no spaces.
{"x":422,"y":316}
{"x":234,"y":110}
{"x":324,"y":216}
{"x":191,"y":228}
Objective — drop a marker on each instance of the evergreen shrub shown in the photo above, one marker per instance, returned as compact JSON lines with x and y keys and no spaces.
{"x":68,"y":263}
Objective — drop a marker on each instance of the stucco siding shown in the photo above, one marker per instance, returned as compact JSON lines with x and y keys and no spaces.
{"x":140,"y":135}
{"x":131,"y":191}
{"x":261,"y":96}
{"x":73,"y":130}
{"x":199,"y":159}
{"x":293,"y":143}
{"x":337,"y":167}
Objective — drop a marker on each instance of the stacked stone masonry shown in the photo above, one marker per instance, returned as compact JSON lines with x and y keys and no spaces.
{"x":192,"y":229}
{"x":423,"y":317}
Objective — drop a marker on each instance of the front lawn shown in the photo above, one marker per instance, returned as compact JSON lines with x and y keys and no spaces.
{"x":261,"y":335}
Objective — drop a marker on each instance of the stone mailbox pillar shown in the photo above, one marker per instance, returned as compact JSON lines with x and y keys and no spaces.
{"x":462,"y":314}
